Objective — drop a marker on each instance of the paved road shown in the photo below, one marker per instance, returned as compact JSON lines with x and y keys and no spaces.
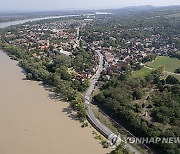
{"x":90,"y":113}
{"x":88,"y":94}
{"x":94,"y":78}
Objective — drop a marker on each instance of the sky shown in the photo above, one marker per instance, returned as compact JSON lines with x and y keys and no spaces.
{"x":28,"y":5}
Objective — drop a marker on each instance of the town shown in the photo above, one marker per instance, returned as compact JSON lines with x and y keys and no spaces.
{"x":49,"y":39}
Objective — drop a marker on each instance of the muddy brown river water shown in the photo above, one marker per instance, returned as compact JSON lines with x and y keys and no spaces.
{"x":32,"y":122}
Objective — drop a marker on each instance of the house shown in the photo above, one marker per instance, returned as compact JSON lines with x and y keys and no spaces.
{"x":106,"y":77}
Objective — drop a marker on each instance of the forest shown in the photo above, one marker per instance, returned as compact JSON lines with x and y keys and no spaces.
{"x":124,"y":98}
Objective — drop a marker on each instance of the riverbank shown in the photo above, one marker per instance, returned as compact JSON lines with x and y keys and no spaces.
{"x":32,"y":122}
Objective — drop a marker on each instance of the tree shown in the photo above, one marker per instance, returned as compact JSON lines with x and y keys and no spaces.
{"x":81,"y":43}
{"x":137,"y":94}
{"x":62,"y":60}
{"x":172,"y":80}
{"x":78,"y":105}
{"x":160,"y":86}
{"x":120,"y":149}
{"x":156,"y":80}
{"x":177,"y":71}
{"x":51,"y":47}
{"x":29,"y":76}
{"x":149,"y":78}
{"x":157,"y":72}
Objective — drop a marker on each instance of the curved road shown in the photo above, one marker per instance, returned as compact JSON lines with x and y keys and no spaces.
{"x":90,"y":114}
{"x":115,"y":139}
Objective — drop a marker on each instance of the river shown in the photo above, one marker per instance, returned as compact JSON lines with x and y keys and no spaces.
{"x":32,"y":121}
{"x":6,"y":24}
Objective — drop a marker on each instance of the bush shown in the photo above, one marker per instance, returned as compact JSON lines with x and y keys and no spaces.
{"x":105,"y":144}
{"x":29,"y":76}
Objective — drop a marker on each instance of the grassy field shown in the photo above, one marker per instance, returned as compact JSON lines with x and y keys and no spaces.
{"x":170,"y":64}
{"x":175,"y":15}
{"x":141,"y":73}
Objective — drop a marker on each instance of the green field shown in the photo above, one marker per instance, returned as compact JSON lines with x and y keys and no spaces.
{"x":175,"y":15}
{"x":170,"y":64}
{"x":141,"y":73}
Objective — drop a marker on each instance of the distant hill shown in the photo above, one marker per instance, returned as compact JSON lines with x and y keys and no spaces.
{"x":125,"y":10}
{"x":145,"y":8}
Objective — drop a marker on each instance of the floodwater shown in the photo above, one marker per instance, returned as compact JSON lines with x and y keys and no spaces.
{"x":32,"y":122}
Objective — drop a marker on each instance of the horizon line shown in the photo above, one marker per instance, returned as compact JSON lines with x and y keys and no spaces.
{"x":80,"y":9}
